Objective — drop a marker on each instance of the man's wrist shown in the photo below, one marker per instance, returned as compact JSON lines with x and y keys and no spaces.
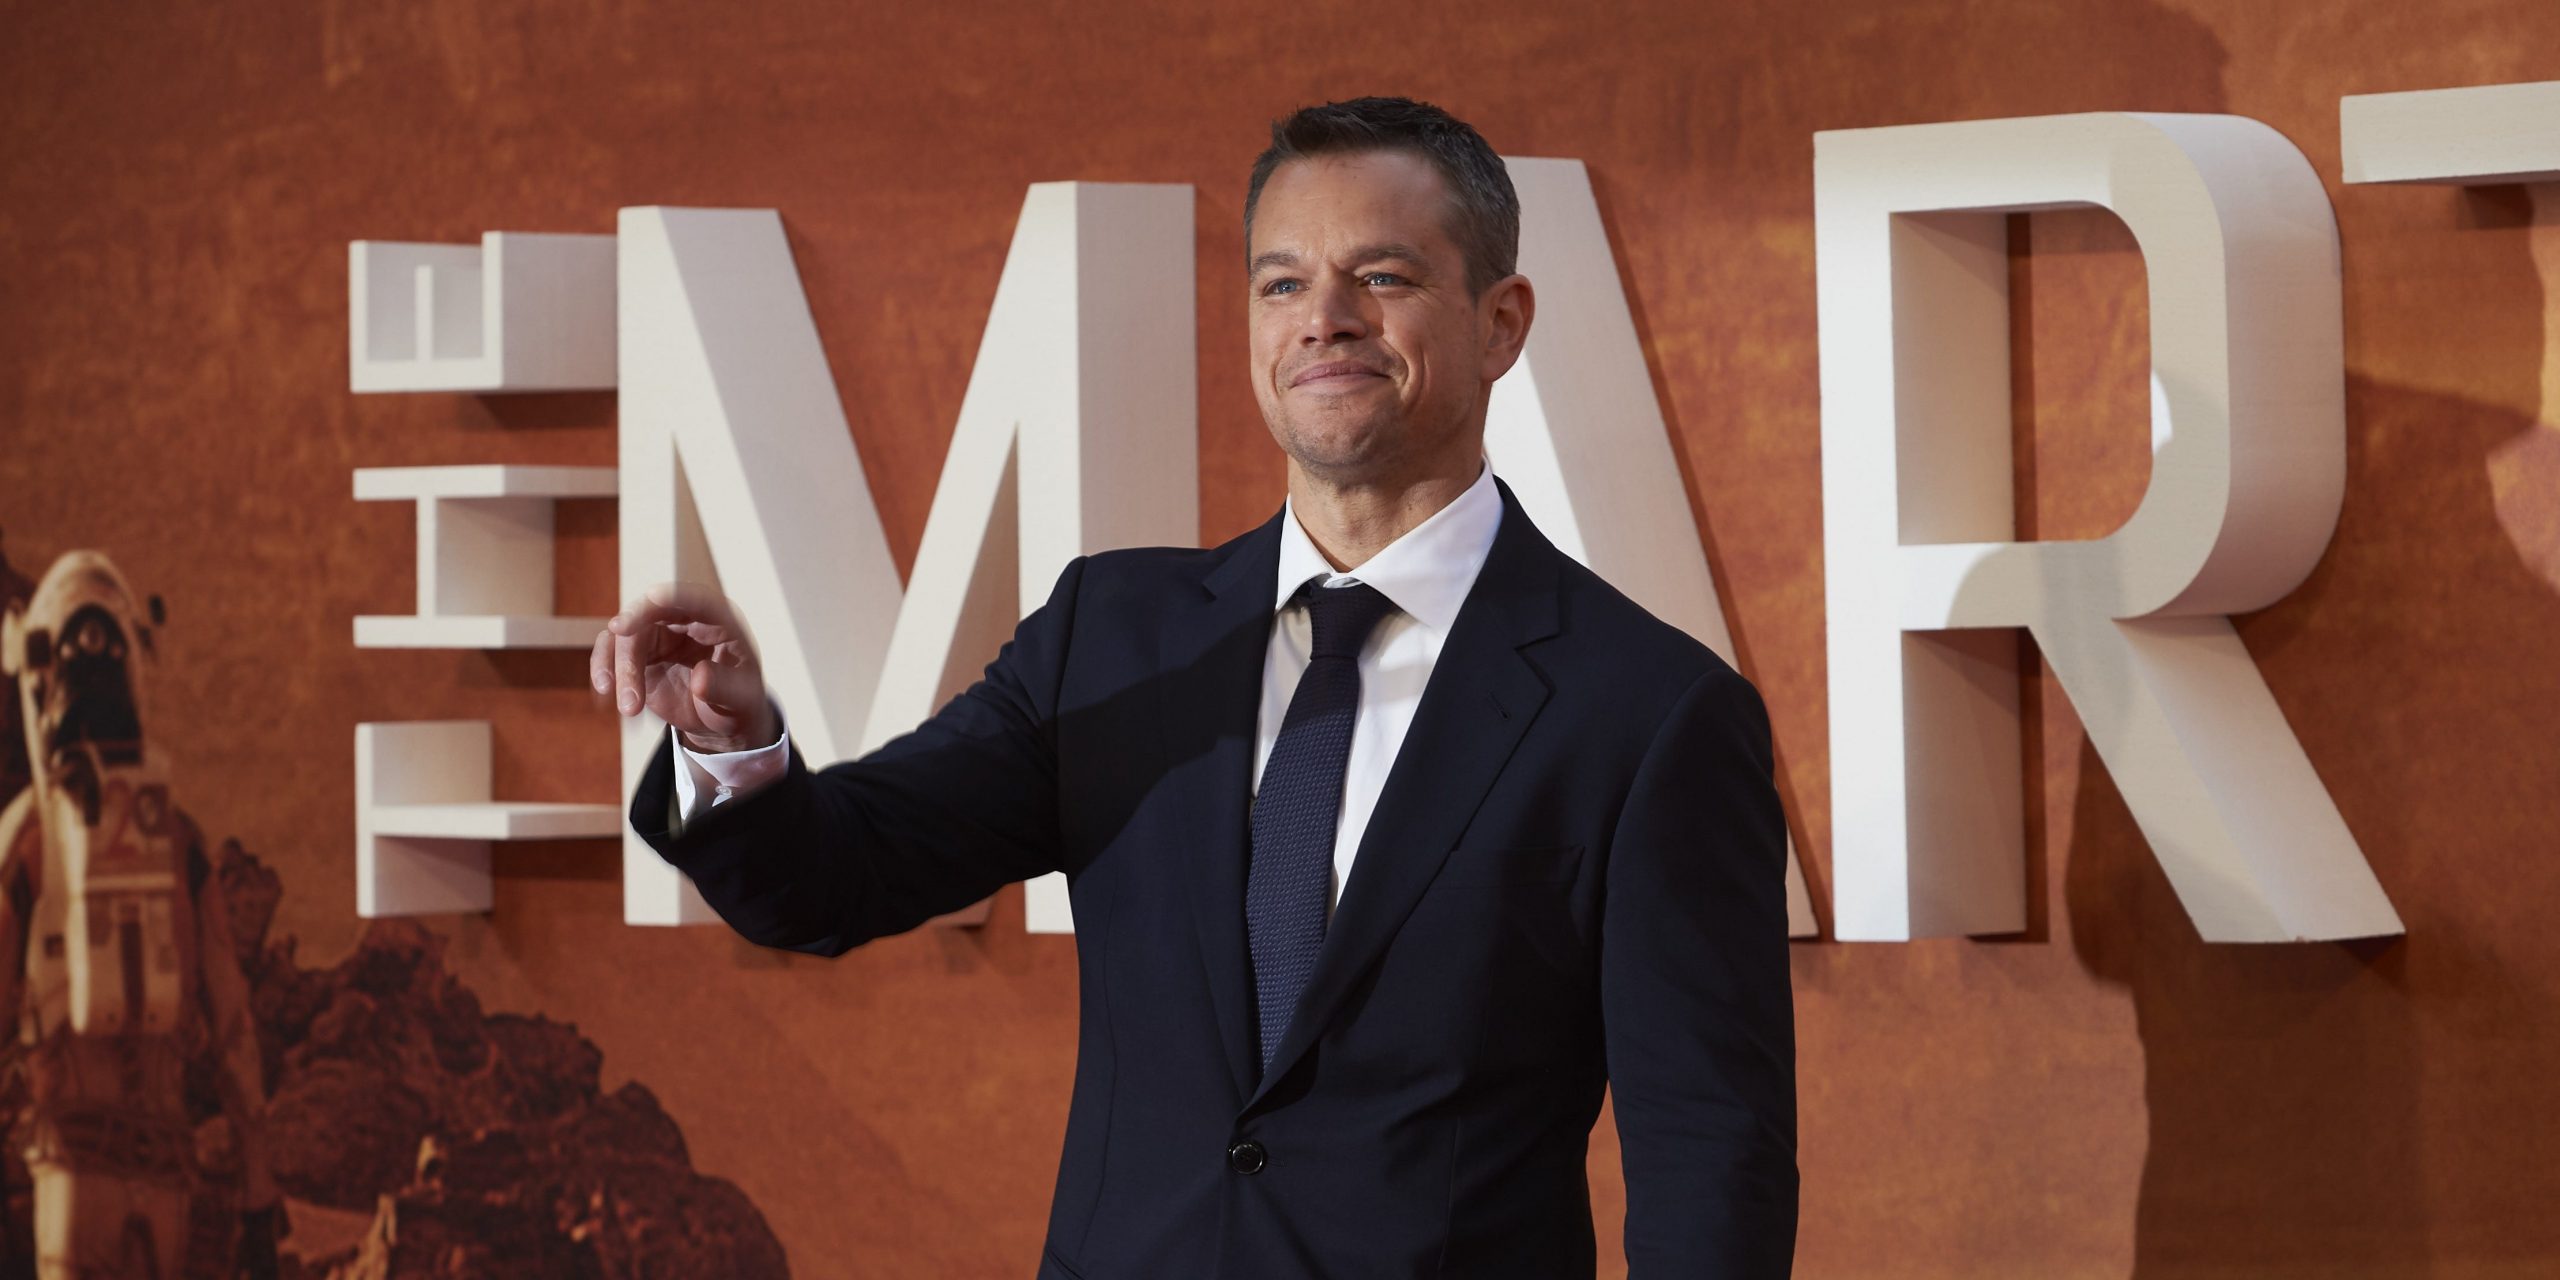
{"x":764,"y":732}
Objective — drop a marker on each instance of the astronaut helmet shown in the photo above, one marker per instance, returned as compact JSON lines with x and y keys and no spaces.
{"x":80,"y":649}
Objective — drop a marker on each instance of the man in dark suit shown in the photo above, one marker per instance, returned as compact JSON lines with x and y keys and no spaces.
{"x":1393,"y":835}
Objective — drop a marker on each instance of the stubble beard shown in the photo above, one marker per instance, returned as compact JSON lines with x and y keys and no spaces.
{"x":1346,"y":451}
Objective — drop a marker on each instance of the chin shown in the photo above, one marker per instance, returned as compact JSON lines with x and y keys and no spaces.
{"x":1337,"y":448}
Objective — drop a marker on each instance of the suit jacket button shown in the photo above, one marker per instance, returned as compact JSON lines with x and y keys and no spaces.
{"x":1247,"y":1157}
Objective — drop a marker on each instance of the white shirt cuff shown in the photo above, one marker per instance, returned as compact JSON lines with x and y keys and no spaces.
{"x":708,"y":779}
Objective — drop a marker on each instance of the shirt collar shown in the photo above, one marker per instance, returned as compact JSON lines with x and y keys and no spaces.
{"x":1427,"y":572}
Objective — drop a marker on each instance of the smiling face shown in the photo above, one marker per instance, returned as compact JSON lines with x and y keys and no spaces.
{"x":1370,"y":356}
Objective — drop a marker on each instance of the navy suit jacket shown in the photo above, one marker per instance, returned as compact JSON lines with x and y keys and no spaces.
{"x":1573,"y":879}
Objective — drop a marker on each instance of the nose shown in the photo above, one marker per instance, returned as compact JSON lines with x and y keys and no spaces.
{"x":1337,"y":312}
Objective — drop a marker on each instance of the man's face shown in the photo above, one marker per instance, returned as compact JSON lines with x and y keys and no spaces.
{"x":1369,"y":355}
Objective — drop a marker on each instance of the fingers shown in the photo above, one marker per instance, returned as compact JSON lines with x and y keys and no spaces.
{"x":674,"y":604}
{"x":665,"y":625}
{"x":600,"y":663}
{"x":627,"y":656}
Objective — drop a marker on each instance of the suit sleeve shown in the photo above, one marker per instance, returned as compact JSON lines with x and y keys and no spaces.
{"x":824,"y":860}
{"x":1699,"y":1017}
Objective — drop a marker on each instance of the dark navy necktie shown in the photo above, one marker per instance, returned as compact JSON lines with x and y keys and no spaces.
{"x":1299,"y":805}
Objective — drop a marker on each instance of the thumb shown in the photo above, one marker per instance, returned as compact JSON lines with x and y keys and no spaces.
{"x":733,"y":692}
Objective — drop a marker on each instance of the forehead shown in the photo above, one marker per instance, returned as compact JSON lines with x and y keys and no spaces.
{"x":1368,"y":197}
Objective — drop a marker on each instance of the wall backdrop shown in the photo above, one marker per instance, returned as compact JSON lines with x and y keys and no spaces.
{"x":2101,"y":1095}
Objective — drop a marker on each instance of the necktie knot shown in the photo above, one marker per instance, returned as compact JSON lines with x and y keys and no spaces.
{"x":1343,"y":617}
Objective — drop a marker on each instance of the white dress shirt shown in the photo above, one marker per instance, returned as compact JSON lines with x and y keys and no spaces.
{"x":1426,"y":573}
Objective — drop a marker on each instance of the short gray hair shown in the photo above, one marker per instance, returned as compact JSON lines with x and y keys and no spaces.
{"x":1486,"y":221}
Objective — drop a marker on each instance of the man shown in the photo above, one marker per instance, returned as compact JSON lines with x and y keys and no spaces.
{"x":1393,"y":835}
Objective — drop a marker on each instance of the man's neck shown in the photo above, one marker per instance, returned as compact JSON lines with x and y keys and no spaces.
{"x":1350,"y":522}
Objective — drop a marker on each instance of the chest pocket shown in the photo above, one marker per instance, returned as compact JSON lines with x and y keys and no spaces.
{"x":1538,"y":864}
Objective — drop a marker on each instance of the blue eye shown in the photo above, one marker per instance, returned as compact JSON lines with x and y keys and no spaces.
{"x":1383,"y":277}
{"x":1281,"y":286}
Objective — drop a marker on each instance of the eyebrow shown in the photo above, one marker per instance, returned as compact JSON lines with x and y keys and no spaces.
{"x":1389,"y":251}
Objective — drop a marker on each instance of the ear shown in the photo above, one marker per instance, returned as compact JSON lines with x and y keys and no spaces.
{"x":1505,"y":311}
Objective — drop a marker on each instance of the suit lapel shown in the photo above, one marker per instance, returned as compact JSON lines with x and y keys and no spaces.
{"x":1481,"y":697}
{"x":1214,"y":647}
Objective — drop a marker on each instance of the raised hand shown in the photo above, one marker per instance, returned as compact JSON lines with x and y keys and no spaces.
{"x":681,"y":652}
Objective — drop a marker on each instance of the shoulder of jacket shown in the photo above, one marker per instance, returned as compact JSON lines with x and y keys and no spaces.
{"x":1643,"y":652}
{"x":1145,"y":570}
{"x":1145,"y":561}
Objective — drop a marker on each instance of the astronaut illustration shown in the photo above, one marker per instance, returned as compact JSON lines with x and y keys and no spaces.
{"x":116,"y":955}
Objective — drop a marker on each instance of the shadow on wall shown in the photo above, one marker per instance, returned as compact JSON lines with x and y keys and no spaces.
{"x":2280,"y":1080}
{"x":2524,"y":471}
{"x":2293,"y":1129}
{"x":412,"y":1134}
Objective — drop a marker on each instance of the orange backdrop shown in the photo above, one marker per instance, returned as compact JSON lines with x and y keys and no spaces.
{"x":2102,"y":1095}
